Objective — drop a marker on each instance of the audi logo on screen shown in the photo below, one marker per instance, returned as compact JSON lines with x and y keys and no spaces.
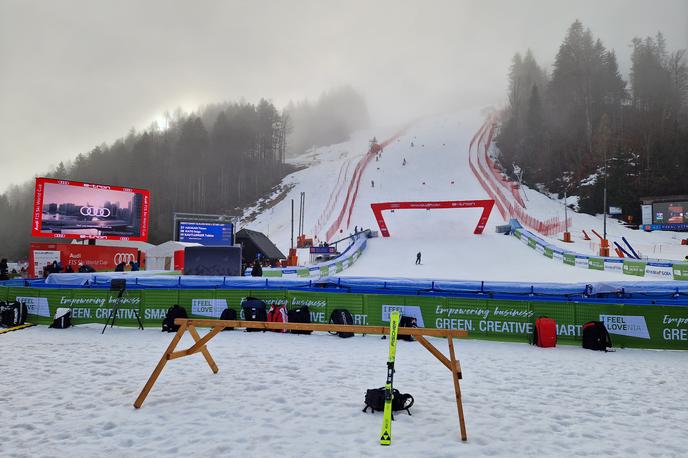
{"x":95,"y":211}
{"x":124,"y":257}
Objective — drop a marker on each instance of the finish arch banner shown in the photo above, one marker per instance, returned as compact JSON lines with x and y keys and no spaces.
{"x":485,"y":204}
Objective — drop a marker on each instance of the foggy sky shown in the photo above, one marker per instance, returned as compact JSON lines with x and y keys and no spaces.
{"x":74,"y":74}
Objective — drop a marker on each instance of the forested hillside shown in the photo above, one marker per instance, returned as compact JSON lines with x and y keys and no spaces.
{"x":561,"y":124}
{"x":217,"y":160}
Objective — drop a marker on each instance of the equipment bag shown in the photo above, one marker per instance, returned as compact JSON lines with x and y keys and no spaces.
{"x":595,"y":336}
{"x":545,"y":332}
{"x":375,"y":399}
{"x":6,"y":315}
{"x":342,"y":316}
{"x":254,"y":310}
{"x":173,"y":313}
{"x":278,"y":314}
{"x":299,"y":315}
{"x":407,"y":322}
{"x":63,"y":318}
{"x":228,"y":314}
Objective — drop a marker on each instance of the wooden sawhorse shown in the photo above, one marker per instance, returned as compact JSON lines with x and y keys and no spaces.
{"x":189,"y":325}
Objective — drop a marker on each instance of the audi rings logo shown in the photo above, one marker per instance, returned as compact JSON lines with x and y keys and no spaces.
{"x":124,"y":257}
{"x":95,"y":211}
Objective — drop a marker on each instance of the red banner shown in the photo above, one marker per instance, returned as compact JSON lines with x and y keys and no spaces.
{"x":486,"y":205}
{"x":101,"y":258}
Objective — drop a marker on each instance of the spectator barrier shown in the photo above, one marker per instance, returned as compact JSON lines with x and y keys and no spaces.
{"x":668,"y":270}
{"x":638,"y":314}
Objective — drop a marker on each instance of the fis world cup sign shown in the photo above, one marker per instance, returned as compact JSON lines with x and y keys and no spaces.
{"x":626,"y":325}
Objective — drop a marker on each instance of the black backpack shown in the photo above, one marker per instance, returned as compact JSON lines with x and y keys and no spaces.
{"x":375,"y":399}
{"x":299,"y":315}
{"x":228,"y":314}
{"x":63,"y":319}
{"x":596,"y":336}
{"x":407,"y":322}
{"x":254,"y":310}
{"x":173,"y":313}
{"x":12,"y":313}
{"x":342,"y":316}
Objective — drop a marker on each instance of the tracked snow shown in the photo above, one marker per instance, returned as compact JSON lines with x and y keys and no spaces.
{"x":428,"y":162}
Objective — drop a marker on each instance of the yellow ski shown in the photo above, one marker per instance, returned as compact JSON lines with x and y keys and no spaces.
{"x":386,"y":436}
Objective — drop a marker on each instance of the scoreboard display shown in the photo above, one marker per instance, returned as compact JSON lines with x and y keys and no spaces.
{"x":206,"y":233}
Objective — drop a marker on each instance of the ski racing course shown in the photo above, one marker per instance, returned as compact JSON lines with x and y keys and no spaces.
{"x":302,"y":395}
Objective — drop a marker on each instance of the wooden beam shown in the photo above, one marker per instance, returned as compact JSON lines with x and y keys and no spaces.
{"x":161,"y":364}
{"x":195,"y":348}
{"x":457,"y":389}
{"x":206,"y":354}
{"x":322,"y":327}
{"x":431,"y":348}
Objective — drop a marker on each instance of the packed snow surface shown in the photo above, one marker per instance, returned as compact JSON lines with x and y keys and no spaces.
{"x":436,"y":168}
{"x":70,"y":393}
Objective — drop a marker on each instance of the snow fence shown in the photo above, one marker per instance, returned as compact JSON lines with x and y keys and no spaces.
{"x":668,"y":270}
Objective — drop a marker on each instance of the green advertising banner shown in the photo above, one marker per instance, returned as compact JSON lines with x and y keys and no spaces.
{"x":680,"y":271}
{"x":570,"y":259}
{"x":596,"y":263}
{"x":636,"y":268}
{"x":642,"y":326}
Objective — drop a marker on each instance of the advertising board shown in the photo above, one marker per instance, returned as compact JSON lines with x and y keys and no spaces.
{"x":666,"y":213}
{"x":76,"y":210}
{"x":101,"y":258}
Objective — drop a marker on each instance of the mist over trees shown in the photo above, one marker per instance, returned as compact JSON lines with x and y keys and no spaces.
{"x":329,"y":120}
{"x":559,"y":126}
{"x":218,"y":160}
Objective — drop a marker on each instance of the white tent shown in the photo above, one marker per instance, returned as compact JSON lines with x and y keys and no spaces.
{"x":161,"y":257}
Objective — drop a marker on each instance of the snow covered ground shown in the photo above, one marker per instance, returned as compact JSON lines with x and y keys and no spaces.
{"x":70,"y":392}
{"x":436,"y":169}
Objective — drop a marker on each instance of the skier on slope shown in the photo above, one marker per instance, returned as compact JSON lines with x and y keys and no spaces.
{"x":404,"y":163}
{"x":372,"y":183}
{"x":418,"y":258}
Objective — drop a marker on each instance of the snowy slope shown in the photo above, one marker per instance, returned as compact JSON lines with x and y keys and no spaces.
{"x":436,"y":169}
{"x":70,"y":393}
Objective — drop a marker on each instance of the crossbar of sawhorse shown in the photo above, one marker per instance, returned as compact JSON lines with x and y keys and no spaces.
{"x":216,"y":326}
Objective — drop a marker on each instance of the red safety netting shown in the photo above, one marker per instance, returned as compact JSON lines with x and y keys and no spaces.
{"x":492,"y":184}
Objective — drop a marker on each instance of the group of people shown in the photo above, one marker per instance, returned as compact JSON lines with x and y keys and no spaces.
{"x":121,"y":267}
{"x":55,"y":267}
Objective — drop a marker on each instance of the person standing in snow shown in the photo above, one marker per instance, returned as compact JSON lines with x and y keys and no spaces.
{"x":418,"y":258}
{"x":404,"y":163}
{"x":372,"y":183}
{"x":257,"y":270}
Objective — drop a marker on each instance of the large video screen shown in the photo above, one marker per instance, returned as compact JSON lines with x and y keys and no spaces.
{"x":670,"y":212}
{"x":206,"y":233}
{"x":76,"y":210}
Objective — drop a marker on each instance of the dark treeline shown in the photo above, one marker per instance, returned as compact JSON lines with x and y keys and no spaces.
{"x":329,"y":120}
{"x":558,"y":127}
{"x":218,"y":160}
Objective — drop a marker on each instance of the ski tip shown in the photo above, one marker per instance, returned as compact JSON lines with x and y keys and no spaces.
{"x":385,"y":439}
